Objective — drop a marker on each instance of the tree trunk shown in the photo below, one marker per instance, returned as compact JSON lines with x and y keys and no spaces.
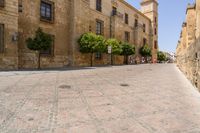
{"x":126,"y":59}
{"x":146,"y":59}
{"x":39,"y":59}
{"x":111,"y":59}
{"x":91,"y":60}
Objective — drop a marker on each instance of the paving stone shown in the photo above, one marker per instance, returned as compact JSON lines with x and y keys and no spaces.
{"x":119,"y":99}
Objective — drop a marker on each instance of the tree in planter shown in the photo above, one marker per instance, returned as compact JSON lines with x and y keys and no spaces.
{"x":127,"y":50}
{"x":90,"y":43}
{"x":116,"y":47}
{"x":145,"y":51}
{"x":161,"y":56}
{"x":40,"y":42}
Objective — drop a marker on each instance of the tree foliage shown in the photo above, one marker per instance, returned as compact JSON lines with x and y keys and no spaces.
{"x":127,"y":49}
{"x":41,"y":41}
{"x":116,"y":47}
{"x":90,"y":43}
{"x":100,"y":44}
{"x":161,"y":56}
{"x":145,"y":51}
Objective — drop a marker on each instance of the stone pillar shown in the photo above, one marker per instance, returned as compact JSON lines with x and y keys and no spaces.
{"x":80,"y":22}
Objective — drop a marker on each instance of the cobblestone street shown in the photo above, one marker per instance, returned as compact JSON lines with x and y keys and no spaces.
{"x":119,"y":99}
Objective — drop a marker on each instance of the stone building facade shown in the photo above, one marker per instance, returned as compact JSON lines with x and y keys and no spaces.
{"x":8,"y":34}
{"x":66,"y":21}
{"x":188,"y":48}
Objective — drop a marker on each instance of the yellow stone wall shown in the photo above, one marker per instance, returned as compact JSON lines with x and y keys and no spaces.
{"x":72,"y":18}
{"x":188,"y":55}
{"x":9,"y":17}
{"x":29,"y":22}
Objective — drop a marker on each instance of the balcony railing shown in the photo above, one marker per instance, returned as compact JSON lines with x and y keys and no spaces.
{"x":116,"y":13}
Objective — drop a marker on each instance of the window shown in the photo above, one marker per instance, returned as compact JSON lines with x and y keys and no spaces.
{"x":196,"y":55}
{"x":49,"y":52}
{"x":46,"y":10}
{"x":144,"y":28}
{"x":98,"y":55}
{"x":114,"y":11}
{"x":20,"y":6}
{"x":99,"y":27}
{"x":99,"y":5}
{"x":144,"y":41}
{"x":127,"y":36}
{"x":155,"y":31}
{"x":136,"y":23}
{"x":155,"y":45}
{"x":126,"y":18}
{"x":2,"y":3}
{"x":1,"y":38}
{"x":90,"y":28}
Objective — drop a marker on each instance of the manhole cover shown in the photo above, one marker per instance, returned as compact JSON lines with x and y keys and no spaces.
{"x":124,"y":85}
{"x":65,"y":86}
{"x":30,"y":119}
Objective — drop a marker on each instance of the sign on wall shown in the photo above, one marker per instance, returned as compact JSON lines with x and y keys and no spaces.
{"x":109,"y":49}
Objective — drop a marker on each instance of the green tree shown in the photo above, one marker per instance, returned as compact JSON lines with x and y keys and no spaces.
{"x":40,"y":42}
{"x":116,"y":47}
{"x":161,"y":56}
{"x":145,"y":51}
{"x":100,"y":45}
{"x":127,"y":50}
{"x":91,"y":43}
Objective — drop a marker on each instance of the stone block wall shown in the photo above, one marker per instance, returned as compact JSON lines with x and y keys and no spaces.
{"x":30,"y":21}
{"x":188,"y":48}
{"x":9,"y":18}
{"x":71,"y":19}
{"x":189,"y":63}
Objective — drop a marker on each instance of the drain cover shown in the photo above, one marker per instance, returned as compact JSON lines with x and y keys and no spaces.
{"x":30,"y":119}
{"x":65,"y":86}
{"x":124,"y":85}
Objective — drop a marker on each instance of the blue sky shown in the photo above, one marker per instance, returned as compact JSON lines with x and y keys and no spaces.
{"x":171,"y":17}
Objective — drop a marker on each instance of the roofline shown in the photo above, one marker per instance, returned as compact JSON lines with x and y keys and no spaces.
{"x":143,"y":2}
{"x":133,"y":8}
{"x":190,"y":6}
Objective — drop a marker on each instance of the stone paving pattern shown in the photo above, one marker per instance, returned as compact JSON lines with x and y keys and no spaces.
{"x":119,"y":99}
